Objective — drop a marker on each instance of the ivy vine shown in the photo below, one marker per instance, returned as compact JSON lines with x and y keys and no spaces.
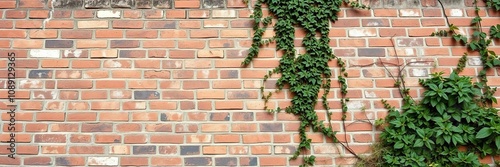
{"x":454,"y":112}
{"x":306,"y":74}
{"x":454,"y":123}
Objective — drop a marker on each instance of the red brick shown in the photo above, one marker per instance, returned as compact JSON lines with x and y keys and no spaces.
{"x":31,"y":4}
{"x":28,"y":24}
{"x":15,"y":14}
{"x":175,"y":14}
{"x":7,"y":4}
{"x":126,"y":24}
{"x":186,"y":4}
{"x":12,"y":34}
{"x":59,"y":24}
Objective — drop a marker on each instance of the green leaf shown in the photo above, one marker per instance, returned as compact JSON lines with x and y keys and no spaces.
{"x":483,"y":133}
{"x":399,"y":145}
{"x":457,"y":139}
{"x":447,"y":139}
{"x":497,"y":141}
{"x":496,"y":62}
{"x":420,"y":133}
{"x":418,"y":143}
{"x":440,"y":107}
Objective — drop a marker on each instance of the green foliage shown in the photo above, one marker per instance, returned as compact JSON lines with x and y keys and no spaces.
{"x":429,"y":132}
{"x":453,"y":113}
{"x":480,"y":43}
{"x":308,"y":73}
{"x":494,"y":4}
{"x":495,"y":31}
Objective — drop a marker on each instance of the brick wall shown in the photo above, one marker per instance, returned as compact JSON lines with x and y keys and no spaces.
{"x":159,"y":82}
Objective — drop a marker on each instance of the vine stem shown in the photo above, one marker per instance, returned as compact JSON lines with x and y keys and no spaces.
{"x":444,"y":12}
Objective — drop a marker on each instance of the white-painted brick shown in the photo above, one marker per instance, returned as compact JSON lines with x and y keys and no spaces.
{"x":476,"y":61}
{"x":223,"y":13}
{"x":103,"y":161}
{"x":362,"y":32}
{"x":409,"y":12}
{"x":370,"y":94}
{"x":456,"y":12}
{"x":76,"y":53}
{"x":355,"y":105}
{"x":45,"y":53}
{"x":419,"y":72}
{"x":108,"y":14}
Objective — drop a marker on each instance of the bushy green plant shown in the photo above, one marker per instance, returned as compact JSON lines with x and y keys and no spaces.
{"x":430,"y":132}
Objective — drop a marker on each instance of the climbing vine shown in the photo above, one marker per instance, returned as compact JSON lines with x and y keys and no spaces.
{"x":454,"y":111}
{"x":306,"y":74}
{"x":454,"y":124}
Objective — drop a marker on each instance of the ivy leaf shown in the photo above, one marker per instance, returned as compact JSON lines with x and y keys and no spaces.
{"x":497,"y":142}
{"x":483,"y":133}
{"x":428,"y":144}
{"x":447,"y":139}
{"x":496,"y":62}
{"x":456,"y":129}
{"x":420,"y":133}
{"x":476,"y":20}
{"x":399,"y":145}
{"x":418,"y":143}
{"x":440,"y":107}
{"x":457,"y":139}
{"x":473,"y":46}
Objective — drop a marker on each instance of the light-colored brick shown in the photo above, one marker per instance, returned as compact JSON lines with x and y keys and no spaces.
{"x":104,"y":53}
{"x":210,"y":54}
{"x":45,"y":53}
{"x":363,"y":32}
{"x":108,"y":14}
{"x":93,"y":24}
{"x":103,"y":161}
{"x":223,"y":13}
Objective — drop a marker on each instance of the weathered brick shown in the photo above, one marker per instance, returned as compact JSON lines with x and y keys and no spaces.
{"x":97,"y":127}
{"x":58,"y":44}
{"x":190,"y":150}
{"x":223,"y":13}
{"x":161,"y":24}
{"x":143,"y":95}
{"x":70,"y":161}
{"x":162,"y":4}
{"x":109,"y":13}
{"x":248,"y":161}
{"x":210,"y":53}
{"x":197,"y":161}
{"x":67,"y":4}
{"x":110,"y":53}
{"x":371,"y":52}
{"x":271,"y":127}
{"x":213,"y":3}
{"x":122,"y":3}
{"x":31,"y":4}
{"x":138,"y":150}
{"x":44,"y":53}
{"x":96,"y":4}
{"x":124,"y":44}
{"x":102,"y":161}
{"x":40,"y":74}
{"x":143,"y":4}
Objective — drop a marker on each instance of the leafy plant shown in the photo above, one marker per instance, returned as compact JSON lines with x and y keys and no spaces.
{"x":450,"y":115}
{"x":308,"y":73}
{"x":494,"y":4}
